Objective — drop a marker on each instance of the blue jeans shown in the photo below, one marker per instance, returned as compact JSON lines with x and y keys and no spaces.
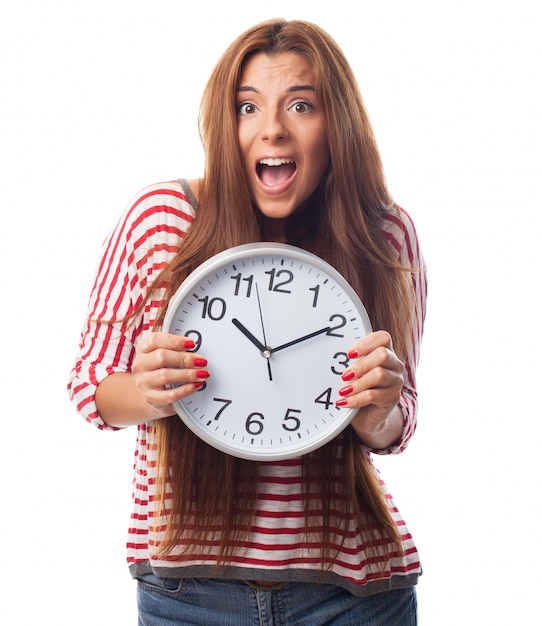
{"x":216,"y":602}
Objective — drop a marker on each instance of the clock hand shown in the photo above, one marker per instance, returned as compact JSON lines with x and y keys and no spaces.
{"x":246,"y":332}
{"x":267,"y":352}
{"x":300,"y":339}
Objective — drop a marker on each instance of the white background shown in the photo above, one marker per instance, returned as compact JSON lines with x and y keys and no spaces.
{"x":99,"y":99}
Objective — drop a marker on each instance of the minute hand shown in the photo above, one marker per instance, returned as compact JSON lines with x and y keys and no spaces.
{"x":300,"y":339}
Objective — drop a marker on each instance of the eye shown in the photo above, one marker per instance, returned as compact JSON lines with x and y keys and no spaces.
{"x":302,"y":107}
{"x":246,"y":108}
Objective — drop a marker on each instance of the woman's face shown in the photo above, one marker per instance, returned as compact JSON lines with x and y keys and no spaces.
{"x":282,"y":135}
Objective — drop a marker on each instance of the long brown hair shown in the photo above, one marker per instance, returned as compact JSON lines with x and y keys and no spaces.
{"x":201,"y":491}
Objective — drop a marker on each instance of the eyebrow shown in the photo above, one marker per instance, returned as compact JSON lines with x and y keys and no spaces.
{"x":292,"y":89}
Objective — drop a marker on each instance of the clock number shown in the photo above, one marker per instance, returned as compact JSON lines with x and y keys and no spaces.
{"x":238,"y":278}
{"x":196,"y":336}
{"x":221,"y":409}
{"x":287,"y":277}
{"x":344,"y":362}
{"x":316,"y":290}
{"x":214,"y":308}
{"x":342,"y":323}
{"x":252,"y":425}
{"x":325,"y":398}
{"x":289,"y":417}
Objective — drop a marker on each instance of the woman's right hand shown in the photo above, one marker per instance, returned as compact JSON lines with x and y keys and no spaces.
{"x":165,"y":370}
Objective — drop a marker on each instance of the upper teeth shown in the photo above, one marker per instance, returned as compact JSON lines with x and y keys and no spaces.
{"x":273,"y":162}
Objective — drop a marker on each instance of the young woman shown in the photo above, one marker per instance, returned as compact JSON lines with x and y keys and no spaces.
{"x":290,"y":157}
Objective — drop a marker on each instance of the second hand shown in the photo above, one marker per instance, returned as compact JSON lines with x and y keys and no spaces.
{"x":263,"y":331}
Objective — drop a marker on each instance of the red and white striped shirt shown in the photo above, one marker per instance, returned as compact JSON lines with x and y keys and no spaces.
{"x":145,"y":240}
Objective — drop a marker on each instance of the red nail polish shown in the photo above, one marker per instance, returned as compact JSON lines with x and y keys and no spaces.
{"x":189,"y":344}
{"x":202,"y":374}
{"x":346,"y":390}
{"x":199,"y":362}
{"x":199,"y":385}
{"x":341,"y":402}
{"x":353,"y":354}
{"x":348,"y":375}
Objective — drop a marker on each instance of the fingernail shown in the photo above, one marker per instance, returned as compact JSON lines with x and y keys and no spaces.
{"x":353,"y":354}
{"x":341,"y":402}
{"x":199,"y":385}
{"x":202,"y":374}
{"x":348,"y":375}
{"x":189,"y":344}
{"x":199,"y":362}
{"x":346,"y":390}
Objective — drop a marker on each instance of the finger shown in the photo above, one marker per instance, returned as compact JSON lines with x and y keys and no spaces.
{"x":381,"y":388}
{"x":167,"y":341}
{"x":379,"y":361}
{"x":154,"y":353}
{"x":379,"y":378}
{"x":370,"y":342}
{"x":167,"y":397}
{"x":164,"y":386}
{"x":369,"y":397}
{"x":171,"y":376}
{"x":376,"y":378}
{"x":162,"y":359}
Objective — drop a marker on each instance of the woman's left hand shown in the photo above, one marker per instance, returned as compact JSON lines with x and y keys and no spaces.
{"x":373,"y":383}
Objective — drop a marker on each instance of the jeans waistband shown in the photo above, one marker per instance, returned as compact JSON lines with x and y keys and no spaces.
{"x":265,"y":587}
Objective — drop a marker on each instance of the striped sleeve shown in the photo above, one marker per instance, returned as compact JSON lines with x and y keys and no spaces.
{"x":401,"y":233}
{"x":144,"y":240}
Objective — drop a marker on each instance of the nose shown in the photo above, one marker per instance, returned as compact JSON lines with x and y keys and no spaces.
{"x":273,"y":127}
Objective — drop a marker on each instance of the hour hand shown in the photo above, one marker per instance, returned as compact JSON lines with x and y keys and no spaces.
{"x":263,"y":349}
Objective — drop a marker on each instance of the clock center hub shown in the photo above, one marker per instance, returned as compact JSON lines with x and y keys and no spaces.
{"x":266,"y":353}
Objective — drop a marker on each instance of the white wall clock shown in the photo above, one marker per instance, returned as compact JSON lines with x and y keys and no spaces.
{"x":275,"y":324}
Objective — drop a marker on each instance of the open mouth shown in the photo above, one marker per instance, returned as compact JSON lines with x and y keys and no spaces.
{"x":275,"y":172}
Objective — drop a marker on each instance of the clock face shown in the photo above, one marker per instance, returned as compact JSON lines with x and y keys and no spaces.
{"x":275,"y":324}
